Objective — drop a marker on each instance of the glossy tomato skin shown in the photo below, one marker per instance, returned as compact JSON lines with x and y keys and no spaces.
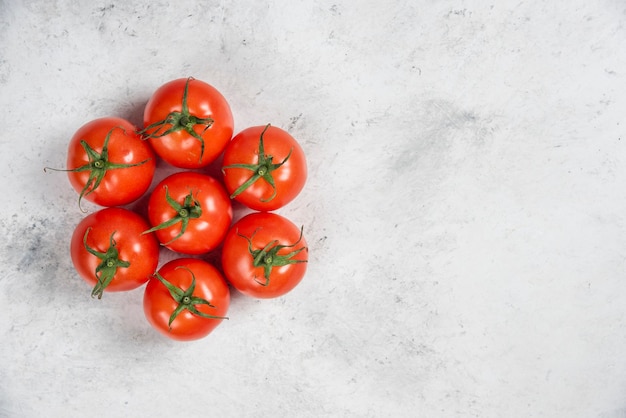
{"x":289,"y":178}
{"x":140,"y":250}
{"x":202,"y":234}
{"x":237,"y":263}
{"x":181,"y":149}
{"x":210,"y":285}
{"x":119,"y":186}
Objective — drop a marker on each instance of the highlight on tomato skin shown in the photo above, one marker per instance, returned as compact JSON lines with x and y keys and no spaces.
{"x":108,"y":164}
{"x":186,"y":299}
{"x":264,"y":168}
{"x":188,"y":123}
{"x":264,"y":255}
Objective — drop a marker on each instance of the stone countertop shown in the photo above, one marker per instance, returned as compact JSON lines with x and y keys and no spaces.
{"x":465,"y":208}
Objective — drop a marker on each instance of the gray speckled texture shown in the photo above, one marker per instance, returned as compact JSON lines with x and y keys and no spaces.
{"x":465,"y":208}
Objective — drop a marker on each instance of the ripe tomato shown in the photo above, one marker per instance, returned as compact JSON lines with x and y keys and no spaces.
{"x":186,"y":299}
{"x":188,"y":123}
{"x":190,"y":212}
{"x":264,"y":168}
{"x":110,"y":251}
{"x":264,"y":255}
{"x":108,"y":164}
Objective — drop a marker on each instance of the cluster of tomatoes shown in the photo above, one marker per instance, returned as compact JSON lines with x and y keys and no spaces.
{"x":188,"y":124}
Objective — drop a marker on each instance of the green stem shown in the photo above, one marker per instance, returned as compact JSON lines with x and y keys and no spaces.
{"x":185,"y":298}
{"x":261,"y":170}
{"x":189,"y":209}
{"x":106,"y":270}
{"x":97,"y":166}
{"x":268,"y":257}
{"x":179,"y":121}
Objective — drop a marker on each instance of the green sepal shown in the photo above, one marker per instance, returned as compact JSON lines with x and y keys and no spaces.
{"x":178,"y":121}
{"x":268,"y":257}
{"x":185,"y":298}
{"x":97,"y":166}
{"x":106,"y":270}
{"x":261,"y":170}
{"x":190,"y":209}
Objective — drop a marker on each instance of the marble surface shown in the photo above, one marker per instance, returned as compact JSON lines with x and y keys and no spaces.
{"x":465,"y":211}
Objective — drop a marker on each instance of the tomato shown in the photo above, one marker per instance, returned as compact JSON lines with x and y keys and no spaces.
{"x":108,"y":164}
{"x":264,"y":168}
{"x":187,"y":299}
{"x":264,"y":255}
{"x":188,"y":123}
{"x":190,"y":212}
{"x":110,"y":251}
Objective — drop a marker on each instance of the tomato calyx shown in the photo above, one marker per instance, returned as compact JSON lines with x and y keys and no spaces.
{"x":97,"y":166}
{"x":106,"y":270}
{"x":179,"y":121}
{"x":190,"y":209}
{"x":268,"y":257}
{"x":262,"y":169}
{"x":185,"y":298}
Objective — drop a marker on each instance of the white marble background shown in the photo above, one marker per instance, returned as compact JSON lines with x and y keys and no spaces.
{"x":466,"y":208}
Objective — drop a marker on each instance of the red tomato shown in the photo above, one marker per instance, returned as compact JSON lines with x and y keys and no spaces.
{"x":187,"y":299}
{"x":188,"y":123}
{"x":264,"y":255}
{"x":190,"y":212}
{"x":110,"y":251}
{"x":108,"y":164}
{"x":264,"y":168}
